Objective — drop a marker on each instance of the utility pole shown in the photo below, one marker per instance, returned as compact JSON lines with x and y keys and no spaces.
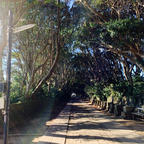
{"x":11,"y":30}
{"x":8,"y":78}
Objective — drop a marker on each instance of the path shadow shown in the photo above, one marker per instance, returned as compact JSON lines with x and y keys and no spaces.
{"x":88,"y":137}
{"x":77,"y":113}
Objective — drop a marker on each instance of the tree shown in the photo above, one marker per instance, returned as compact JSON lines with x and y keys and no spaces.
{"x":36,"y":51}
{"x":122,"y":24}
{"x":19,"y":8}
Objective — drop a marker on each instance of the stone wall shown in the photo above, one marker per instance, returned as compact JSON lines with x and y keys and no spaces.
{"x":21,"y":112}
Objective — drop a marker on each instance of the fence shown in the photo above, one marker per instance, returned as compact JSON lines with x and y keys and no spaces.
{"x":99,"y":104}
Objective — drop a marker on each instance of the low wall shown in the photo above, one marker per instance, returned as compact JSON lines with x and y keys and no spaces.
{"x":21,"y":112}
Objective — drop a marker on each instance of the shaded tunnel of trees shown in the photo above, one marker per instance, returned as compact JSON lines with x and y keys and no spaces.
{"x":94,"y":48}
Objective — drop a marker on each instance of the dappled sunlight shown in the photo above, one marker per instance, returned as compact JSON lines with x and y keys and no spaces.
{"x":80,"y":123}
{"x":56,"y":129}
{"x":71,"y":71}
{"x":50,"y":139}
{"x":87,"y":125}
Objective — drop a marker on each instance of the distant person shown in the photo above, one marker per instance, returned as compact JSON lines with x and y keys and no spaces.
{"x":73,"y":95}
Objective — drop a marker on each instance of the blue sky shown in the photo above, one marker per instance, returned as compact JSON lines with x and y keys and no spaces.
{"x":71,"y":3}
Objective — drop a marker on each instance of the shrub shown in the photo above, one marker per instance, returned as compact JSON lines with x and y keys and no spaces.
{"x":95,"y":91}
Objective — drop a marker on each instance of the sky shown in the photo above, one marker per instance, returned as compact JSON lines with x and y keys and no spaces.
{"x":71,"y":3}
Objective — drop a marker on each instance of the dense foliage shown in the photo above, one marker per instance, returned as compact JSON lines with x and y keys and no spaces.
{"x":94,"y":46}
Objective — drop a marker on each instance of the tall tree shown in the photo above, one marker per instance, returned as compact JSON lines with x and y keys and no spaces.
{"x":122,"y":23}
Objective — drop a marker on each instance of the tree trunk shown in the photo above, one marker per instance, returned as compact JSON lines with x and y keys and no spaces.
{"x":39,"y":85}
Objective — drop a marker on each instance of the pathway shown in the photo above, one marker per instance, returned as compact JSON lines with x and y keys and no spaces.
{"x":81,"y":123}
{"x":86,"y":125}
{"x":90,"y":126}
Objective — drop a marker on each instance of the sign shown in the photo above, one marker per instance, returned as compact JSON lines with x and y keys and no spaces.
{"x":22,"y":28}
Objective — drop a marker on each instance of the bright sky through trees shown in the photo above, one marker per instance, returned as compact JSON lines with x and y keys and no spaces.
{"x":71,"y":3}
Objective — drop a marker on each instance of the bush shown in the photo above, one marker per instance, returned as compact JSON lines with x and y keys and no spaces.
{"x":17,"y":91}
{"x":95,"y":91}
{"x":101,"y":92}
